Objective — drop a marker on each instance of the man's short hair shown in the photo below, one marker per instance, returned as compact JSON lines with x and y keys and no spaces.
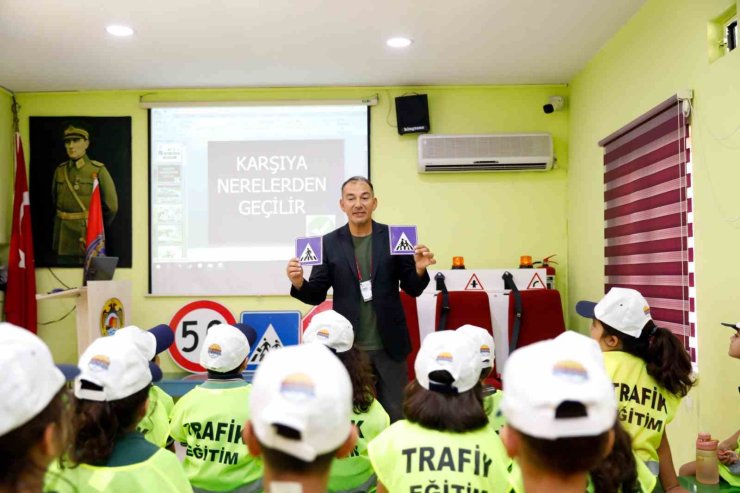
{"x":286,"y":463}
{"x":360,"y":179}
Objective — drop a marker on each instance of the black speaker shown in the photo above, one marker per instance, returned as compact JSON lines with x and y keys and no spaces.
{"x":412,"y":114}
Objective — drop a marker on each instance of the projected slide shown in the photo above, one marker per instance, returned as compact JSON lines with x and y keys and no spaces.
{"x":232,"y":187}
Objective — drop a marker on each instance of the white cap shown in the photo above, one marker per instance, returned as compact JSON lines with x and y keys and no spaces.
{"x":622,"y":309}
{"x":30,"y":379}
{"x":332,"y":330}
{"x":483,"y":340}
{"x":305,"y":388}
{"x":114,"y":364}
{"x":150,"y":342}
{"x":224,"y":349}
{"x":539,"y":377}
{"x":447,"y":350}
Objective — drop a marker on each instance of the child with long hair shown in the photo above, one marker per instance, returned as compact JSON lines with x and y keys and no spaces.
{"x":651,"y":372}
{"x":353,"y":473}
{"x":445,"y":442}
{"x":108,"y":454}
{"x":33,"y":410}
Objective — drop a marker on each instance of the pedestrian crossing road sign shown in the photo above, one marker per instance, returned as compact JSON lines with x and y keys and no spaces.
{"x":308,"y":250}
{"x":403,"y":240}
{"x":274,"y":330}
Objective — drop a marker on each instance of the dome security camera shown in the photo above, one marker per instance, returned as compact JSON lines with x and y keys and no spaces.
{"x":556,"y":104}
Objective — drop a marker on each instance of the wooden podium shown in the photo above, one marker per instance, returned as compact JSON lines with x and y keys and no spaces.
{"x":102,"y":308}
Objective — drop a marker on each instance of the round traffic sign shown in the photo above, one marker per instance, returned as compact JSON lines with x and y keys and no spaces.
{"x":190,"y":324}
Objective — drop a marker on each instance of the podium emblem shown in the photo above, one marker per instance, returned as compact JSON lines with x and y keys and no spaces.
{"x":111,"y":317}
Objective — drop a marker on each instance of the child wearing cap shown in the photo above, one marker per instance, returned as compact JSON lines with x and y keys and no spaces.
{"x":560,"y":409}
{"x":728,"y":450}
{"x":483,"y":342}
{"x":33,"y":410}
{"x":300,"y":410}
{"x":650,"y":370}
{"x":353,"y":473}
{"x":445,"y":443}
{"x":108,"y":454}
{"x":156,"y":424}
{"x":208,"y":420}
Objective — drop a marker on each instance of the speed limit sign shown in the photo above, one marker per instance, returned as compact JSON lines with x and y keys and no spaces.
{"x":190,"y":324}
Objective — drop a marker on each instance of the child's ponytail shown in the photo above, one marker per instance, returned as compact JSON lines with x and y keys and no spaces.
{"x":664,"y":355}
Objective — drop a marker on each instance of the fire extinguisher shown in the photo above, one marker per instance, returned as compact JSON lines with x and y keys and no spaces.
{"x":549,"y":269}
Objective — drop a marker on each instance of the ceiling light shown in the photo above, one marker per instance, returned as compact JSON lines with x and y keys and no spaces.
{"x":398,"y":42}
{"x":119,"y":30}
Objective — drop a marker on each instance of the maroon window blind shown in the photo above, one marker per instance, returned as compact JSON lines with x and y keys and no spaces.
{"x":648,"y":216}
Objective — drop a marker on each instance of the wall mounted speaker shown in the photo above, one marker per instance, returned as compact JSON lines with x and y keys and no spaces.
{"x":412,"y":114}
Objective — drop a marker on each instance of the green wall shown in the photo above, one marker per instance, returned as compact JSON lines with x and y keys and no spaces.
{"x":6,"y":179}
{"x":662,"y":49}
{"x":490,"y":219}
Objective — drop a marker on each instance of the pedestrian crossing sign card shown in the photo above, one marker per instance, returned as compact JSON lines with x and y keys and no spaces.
{"x":309,"y":250}
{"x":403,"y":240}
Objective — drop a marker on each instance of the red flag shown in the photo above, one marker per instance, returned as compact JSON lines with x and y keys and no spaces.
{"x":20,"y":296}
{"x":95,"y":237}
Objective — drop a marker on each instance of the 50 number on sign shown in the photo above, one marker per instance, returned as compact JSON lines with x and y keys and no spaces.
{"x":191,"y":324}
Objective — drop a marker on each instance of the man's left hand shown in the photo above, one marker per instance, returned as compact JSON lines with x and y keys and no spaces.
{"x":423,"y":258}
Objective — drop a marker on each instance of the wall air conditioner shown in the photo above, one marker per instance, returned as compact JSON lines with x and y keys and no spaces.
{"x":495,"y":152}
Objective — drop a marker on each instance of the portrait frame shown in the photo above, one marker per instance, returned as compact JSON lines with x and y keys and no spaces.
{"x":109,"y":144}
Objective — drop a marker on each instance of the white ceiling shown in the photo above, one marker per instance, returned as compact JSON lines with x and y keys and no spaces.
{"x":50,"y":45}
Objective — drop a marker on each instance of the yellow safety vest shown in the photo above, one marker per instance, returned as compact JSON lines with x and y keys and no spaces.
{"x":208,"y":420}
{"x":156,"y":424}
{"x":411,"y":459}
{"x":492,"y":407}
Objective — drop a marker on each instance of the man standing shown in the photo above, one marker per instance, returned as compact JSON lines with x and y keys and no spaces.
{"x":357,"y":263}
{"x":71,"y":191}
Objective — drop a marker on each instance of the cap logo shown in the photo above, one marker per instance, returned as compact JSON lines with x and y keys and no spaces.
{"x":646,"y":309}
{"x":443,"y":358}
{"x":298,"y":386}
{"x":485,"y":350}
{"x":323,"y":333}
{"x":99,"y":362}
{"x":214,"y":350}
{"x":571,"y":371}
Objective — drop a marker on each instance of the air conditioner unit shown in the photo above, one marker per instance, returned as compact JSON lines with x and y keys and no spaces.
{"x":495,"y":152}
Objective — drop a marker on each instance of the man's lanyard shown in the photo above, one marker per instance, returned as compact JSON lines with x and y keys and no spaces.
{"x":359,"y":272}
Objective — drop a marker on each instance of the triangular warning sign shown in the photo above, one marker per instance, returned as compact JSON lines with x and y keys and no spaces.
{"x":403,"y":244}
{"x":474,"y":284}
{"x":308,"y":254}
{"x":536,"y":282}
{"x":267,"y":343}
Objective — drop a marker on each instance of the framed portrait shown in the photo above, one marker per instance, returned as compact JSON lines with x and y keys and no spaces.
{"x":66,"y":155}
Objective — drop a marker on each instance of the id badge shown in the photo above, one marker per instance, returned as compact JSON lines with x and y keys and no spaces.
{"x":366,"y":288}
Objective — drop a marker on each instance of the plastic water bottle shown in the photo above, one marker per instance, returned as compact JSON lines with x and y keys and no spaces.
{"x":707,"y":464}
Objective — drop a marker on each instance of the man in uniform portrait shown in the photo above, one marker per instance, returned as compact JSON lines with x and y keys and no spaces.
{"x":71,"y":191}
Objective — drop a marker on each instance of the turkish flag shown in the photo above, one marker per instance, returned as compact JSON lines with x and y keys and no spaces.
{"x":20,"y":296}
{"x":95,"y":237}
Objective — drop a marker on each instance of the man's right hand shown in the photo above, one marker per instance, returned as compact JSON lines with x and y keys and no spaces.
{"x":295,"y":273}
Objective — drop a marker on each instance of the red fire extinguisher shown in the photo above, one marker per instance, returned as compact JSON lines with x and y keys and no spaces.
{"x":549,"y":269}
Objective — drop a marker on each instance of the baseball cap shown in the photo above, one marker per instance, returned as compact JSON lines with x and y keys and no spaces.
{"x":731,"y":325}
{"x":332,"y":330}
{"x":483,"y":341}
{"x":226,"y":346}
{"x":30,"y":378}
{"x":452,"y":352}
{"x":621,"y":308}
{"x":150,"y":343}
{"x":538,"y":378}
{"x":115,"y":365}
{"x":307,"y":389}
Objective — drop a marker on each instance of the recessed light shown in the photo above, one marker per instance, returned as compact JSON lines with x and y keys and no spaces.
{"x":398,"y":42}
{"x":119,"y":30}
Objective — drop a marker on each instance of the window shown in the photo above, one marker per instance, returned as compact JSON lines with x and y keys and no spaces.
{"x":648,"y":217}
